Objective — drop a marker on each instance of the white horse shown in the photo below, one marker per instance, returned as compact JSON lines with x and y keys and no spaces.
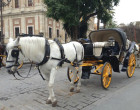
{"x":136,"y":47}
{"x":33,"y":48}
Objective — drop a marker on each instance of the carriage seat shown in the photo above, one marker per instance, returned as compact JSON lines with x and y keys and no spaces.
{"x":92,"y":51}
{"x":111,"y":50}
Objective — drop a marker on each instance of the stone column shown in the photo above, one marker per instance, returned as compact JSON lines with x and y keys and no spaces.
{"x":37,"y":24}
{"x":23,"y":24}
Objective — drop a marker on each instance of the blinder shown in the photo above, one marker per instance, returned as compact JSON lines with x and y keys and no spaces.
{"x":15,"y":53}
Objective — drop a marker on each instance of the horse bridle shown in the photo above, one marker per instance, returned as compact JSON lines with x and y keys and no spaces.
{"x":14,"y":54}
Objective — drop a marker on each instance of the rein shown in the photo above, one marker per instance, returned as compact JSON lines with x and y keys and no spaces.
{"x":23,"y":76}
{"x":15,"y":54}
{"x":27,"y":74}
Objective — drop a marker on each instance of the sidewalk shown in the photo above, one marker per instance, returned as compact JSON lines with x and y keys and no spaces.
{"x":126,"y":98}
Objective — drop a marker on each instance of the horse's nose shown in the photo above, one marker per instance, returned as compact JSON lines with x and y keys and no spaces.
{"x":9,"y":71}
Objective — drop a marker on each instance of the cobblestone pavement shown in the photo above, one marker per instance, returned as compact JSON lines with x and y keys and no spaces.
{"x":31,"y":93}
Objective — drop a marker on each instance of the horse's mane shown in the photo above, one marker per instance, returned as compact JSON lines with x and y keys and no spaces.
{"x":27,"y":41}
{"x":32,"y":47}
{"x":32,"y":42}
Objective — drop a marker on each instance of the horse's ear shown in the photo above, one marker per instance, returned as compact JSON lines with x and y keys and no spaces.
{"x":11,"y":39}
{"x":17,"y":40}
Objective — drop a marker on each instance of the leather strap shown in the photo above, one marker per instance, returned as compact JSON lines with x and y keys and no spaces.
{"x":47,"y":53}
{"x":61,"y":48}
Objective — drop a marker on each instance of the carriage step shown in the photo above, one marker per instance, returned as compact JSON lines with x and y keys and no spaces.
{"x":123,"y":69}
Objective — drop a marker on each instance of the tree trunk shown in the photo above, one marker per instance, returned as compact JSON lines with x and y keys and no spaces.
{"x":74,"y":35}
{"x":98,"y":24}
{"x":104,"y":25}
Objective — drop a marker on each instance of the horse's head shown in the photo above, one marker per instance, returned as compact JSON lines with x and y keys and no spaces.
{"x":13,"y":50}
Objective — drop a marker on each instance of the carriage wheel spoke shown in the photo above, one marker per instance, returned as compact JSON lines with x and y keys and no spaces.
{"x":71,"y":76}
{"x":106,"y":75}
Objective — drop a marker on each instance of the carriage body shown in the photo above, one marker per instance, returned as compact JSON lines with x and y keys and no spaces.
{"x":102,"y":56}
{"x":106,"y":53}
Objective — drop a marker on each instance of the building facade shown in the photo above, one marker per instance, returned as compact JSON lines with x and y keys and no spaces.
{"x":29,"y":17}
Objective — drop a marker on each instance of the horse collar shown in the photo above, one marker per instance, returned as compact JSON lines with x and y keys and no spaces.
{"x":60,"y":48}
{"x":47,"y":53}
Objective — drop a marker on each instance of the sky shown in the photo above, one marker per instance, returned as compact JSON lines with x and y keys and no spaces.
{"x":127,"y":11}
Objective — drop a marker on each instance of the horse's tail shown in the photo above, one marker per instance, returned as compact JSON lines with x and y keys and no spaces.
{"x":80,"y":51}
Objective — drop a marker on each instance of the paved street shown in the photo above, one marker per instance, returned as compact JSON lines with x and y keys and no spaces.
{"x":31,"y":93}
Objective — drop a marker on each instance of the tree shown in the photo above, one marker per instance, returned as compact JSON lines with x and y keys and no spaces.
{"x":111,"y":24}
{"x":76,"y":13}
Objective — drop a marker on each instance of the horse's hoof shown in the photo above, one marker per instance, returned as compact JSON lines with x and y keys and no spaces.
{"x":54,"y":103}
{"x":71,"y":89}
{"x":77,"y":91}
{"x":48,"y":101}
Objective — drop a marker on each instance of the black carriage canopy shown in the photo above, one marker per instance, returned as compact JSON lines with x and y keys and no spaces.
{"x":104,"y":34}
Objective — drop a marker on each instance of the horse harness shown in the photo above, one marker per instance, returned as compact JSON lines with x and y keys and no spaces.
{"x":15,"y":54}
{"x":75,"y":63}
{"x":62,"y":59}
{"x":17,"y":49}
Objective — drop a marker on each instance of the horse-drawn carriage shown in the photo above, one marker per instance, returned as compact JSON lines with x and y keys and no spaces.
{"x":107,"y":50}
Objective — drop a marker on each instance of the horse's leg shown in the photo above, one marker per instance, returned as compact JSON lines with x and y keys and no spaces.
{"x":51,"y":83}
{"x":74,"y":71}
{"x":47,"y":77}
{"x":79,"y":82}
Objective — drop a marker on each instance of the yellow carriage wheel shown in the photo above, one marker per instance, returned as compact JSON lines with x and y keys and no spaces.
{"x":131,"y":65}
{"x":70,"y":75}
{"x":106,"y":75}
{"x":4,"y":60}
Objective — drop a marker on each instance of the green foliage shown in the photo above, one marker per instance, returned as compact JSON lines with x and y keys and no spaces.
{"x":111,"y":24}
{"x":76,"y":13}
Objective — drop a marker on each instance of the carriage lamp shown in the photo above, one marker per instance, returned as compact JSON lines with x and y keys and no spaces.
{"x":2,"y":4}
